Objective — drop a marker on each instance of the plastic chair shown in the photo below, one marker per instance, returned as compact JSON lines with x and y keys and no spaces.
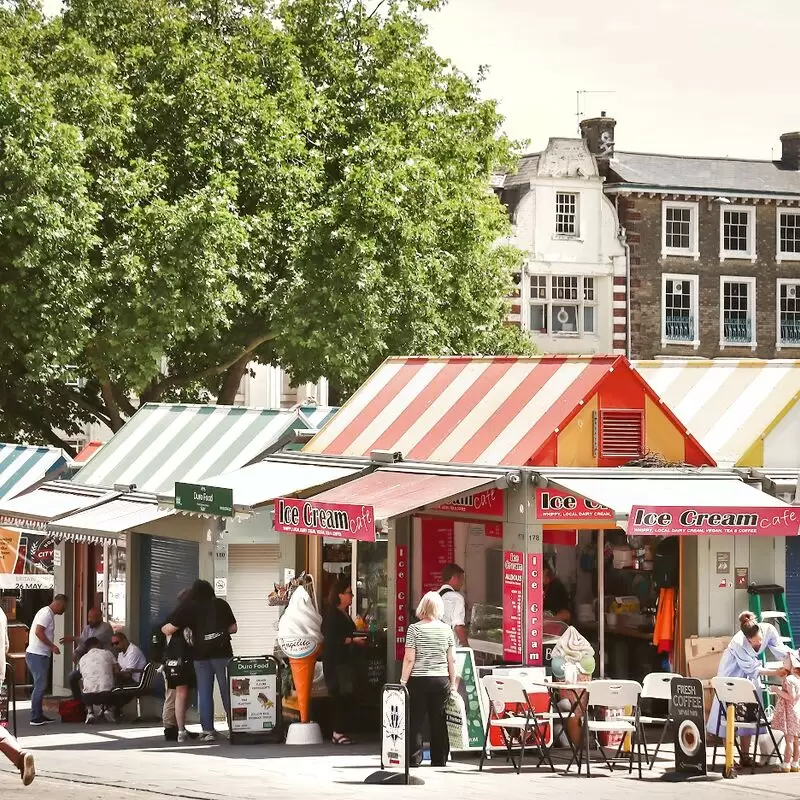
{"x":615,"y":694}
{"x":734,"y":691}
{"x":124,"y":694}
{"x":507,"y":692}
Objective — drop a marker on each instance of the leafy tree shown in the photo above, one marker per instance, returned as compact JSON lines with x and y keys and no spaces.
{"x":302,"y":182}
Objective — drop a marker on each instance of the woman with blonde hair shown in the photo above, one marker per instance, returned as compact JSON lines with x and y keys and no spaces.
{"x":429,"y":670}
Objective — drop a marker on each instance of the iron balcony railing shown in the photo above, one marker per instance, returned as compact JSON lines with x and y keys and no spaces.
{"x":737,"y":331}
{"x":679,"y":329}
{"x":790,"y":331}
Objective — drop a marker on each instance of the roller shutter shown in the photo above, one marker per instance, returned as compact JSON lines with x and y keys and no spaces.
{"x":252,"y":571}
{"x":793,"y":582}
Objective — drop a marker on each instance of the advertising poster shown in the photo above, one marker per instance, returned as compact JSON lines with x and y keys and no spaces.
{"x":689,"y":730}
{"x":26,"y":560}
{"x":438,"y":550}
{"x":473,"y":697}
{"x":401,"y":601}
{"x":534,"y":655}
{"x":394,"y":727}
{"x":513,"y":586}
{"x":254,"y":695}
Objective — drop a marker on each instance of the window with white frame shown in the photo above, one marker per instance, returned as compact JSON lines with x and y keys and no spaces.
{"x":789,"y":235}
{"x":737,"y":311}
{"x":679,"y":309}
{"x":789,"y":312}
{"x":679,"y":229}
{"x":565,"y":305}
{"x":566,"y":214}
{"x":737,"y":232}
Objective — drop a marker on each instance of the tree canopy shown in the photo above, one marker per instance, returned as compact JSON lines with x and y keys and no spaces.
{"x":187,"y":186}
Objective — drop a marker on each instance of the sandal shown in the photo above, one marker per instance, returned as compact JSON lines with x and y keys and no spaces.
{"x":341,"y":738}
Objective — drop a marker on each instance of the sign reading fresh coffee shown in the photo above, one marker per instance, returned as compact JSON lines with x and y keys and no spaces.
{"x":688,"y":724}
{"x":556,"y":504}
{"x":335,"y":520}
{"x":204,"y":499}
{"x":488,"y":503}
{"x":713,"y":521}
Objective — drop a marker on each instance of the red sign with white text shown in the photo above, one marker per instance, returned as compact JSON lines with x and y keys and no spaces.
{"x":566,"y":538}
{"x":488,"y":503}
{"x":336,"y":520}
{"x":513,"y":587}
{"x":401,"y":601}
{"x":534,"y":599}
{"x":493,"y":530}
{"x":556,"y":504}
{"x":438,"y":550}
{"x":713,"y":521}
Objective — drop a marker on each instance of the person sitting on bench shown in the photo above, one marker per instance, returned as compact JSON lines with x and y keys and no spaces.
{"x":98,"y":669}
{"x":130,"y":658}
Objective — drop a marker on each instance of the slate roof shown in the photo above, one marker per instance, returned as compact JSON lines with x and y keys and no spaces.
{"x":703,"y":174}
{"x":528,"y":165}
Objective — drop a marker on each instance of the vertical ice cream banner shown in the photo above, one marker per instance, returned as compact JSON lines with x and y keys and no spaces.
{"x":438,"y":550}
{"x":534,"y":654}
{"x":513,"y":585}
{"x":401,"y":601}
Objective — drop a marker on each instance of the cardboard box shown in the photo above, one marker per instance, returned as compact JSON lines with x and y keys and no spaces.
{"x":697,"y":646}
{"x":703,"y":667}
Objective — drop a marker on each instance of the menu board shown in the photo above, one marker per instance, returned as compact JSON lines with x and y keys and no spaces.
{"x":473,"y":698}
{"x":513,"y":585}
{"x":534,"y":655}
{"x":401,"y":601}
{"x":254,"y":694}
{"x":438,"y":550}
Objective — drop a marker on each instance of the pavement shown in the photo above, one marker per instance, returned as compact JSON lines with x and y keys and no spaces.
{"x":132,"y":761}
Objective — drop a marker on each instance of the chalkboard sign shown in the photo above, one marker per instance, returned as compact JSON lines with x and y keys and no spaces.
{"x":689,"y":734}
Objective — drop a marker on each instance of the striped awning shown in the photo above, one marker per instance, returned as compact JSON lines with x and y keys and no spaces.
{"x":727,"y":405}
{"x":50,"y":501}
{"x":22,"y":466}
{"x":162,"y":444}
{"x":462,"y":409}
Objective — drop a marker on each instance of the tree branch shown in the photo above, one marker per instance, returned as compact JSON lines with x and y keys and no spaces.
{"x":111,"y":404}
{"x":123,"y":402}
{"x":374,"y":10}
{"x":97,"y":411}
{"x":231,"y":381}
{"x":156,"y":390}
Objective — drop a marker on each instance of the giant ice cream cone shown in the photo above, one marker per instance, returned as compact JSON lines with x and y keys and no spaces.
{"x":303,"y":677}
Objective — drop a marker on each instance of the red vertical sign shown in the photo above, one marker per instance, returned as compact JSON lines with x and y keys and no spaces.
{"x":401,"y":601}
{"x":534,"y":655}
{"x":513,"y":587}
{"x":438,"y":550}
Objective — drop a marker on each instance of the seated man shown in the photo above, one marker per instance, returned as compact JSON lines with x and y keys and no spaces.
{"x":95,"y":628}
{"x":130,"y":658}
{"x":98,"y":669}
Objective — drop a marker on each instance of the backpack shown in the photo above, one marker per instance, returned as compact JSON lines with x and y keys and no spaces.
{"x":666,"y":563}
{"x":208,"y":633}
{"x":176,"y":655}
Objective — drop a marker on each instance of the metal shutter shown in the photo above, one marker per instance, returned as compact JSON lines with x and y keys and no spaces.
{"x":168,"y":566}
{"x":621,"y":433}
{"x":793,"y":582}
{"x":252,"y":571}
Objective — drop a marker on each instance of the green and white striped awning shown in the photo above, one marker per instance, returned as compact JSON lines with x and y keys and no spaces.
{"x":162,"y":444}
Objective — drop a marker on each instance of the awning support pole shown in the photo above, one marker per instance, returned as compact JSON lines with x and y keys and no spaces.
{"x":601,"y":593}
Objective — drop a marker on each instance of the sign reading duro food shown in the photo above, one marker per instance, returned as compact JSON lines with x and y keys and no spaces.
{"x":713,"y":521}
{"x":337,"y":520}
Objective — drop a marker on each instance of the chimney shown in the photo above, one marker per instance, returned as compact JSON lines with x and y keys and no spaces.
{"x":599,"y":135}
{"x":790,"y":150}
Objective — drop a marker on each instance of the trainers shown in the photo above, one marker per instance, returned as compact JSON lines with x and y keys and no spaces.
{"x":785,"y":767}
{"x":208,"y":736}
{"x":42,"y":721}
{"x":90,"y":718}
{"x":183,"y":736}
{"x":111,"y":716}
{"x":796,"y":767}
{"x":27,"y":769}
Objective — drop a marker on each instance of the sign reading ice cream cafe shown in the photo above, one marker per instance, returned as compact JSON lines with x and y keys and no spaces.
{"x":556,"y":504}
{"x":335,"y":520}
{"x":488,"y":503}
{"x":713,"y":521}
{"x":204,"y":499}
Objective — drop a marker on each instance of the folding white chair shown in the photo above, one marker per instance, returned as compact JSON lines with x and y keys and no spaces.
{"x":656,"y":686}
{"x":733,"y":692}
{"x":508,"y":693}
{"x":615,"y":694}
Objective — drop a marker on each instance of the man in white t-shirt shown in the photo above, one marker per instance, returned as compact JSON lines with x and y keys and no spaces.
{"x":455,"y":607}
{"x":130,"y":658}
{"x":41,"y":648}
{"x":98,"y":669}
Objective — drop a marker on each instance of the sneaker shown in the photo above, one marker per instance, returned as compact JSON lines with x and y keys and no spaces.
{"x":111,"y":717}
{"x":90,"y":718}
{"x":208,"y":736}
{"x":183,"y":736}
{"x":785,"y":767}
{"x":27,"y":768}
{"x":42,"y":721}
{"x":796,"y":767}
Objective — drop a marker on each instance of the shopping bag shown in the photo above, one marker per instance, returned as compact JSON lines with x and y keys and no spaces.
{"x":456,"y":715}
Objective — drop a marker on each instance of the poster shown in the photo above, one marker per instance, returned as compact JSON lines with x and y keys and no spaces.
{"x":401,"y":601}
{"x":513,"y":586}
{"x":534,"y":656}
{"x":474,"y":700}
{"x":254,"y":694}
{"x":26,"y":560}
{"x":394,"y":728}
{"x":689,"y":734}
{"x":438,"y":550}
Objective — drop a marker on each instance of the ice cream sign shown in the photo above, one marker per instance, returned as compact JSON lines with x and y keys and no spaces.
{"x":713,"y":521}
{"x":556,"y":504}
{"x":336,"y":520}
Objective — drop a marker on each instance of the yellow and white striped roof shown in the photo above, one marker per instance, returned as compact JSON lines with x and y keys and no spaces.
{"x":729,"y":406}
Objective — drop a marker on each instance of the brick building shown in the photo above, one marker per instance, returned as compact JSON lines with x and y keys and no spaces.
{"x":714,"y":249}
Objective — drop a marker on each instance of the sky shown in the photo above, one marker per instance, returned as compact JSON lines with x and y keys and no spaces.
{"x":688,"y":77}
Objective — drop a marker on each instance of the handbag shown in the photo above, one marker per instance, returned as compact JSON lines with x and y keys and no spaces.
{"x":455,"y":713}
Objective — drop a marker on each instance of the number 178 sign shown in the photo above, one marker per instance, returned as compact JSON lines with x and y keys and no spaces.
{"x":534,"y":613}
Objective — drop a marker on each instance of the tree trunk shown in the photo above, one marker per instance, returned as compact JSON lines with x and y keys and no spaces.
{"x":231,"y":381}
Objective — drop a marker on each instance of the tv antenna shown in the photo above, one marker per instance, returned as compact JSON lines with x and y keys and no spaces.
{"x":579,"y":102}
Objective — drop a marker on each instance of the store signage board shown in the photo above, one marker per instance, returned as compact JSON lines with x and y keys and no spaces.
{"x":513,"y":587}
{"x":489,"y":503}
{"x":401,"y":601}
{"x":474,"y":700}
{"x":438,"y":550}
{"x":689,"y":734}
{"x":214,"y":500}
{"x":493,"y":530}
{"x":556,"y":504}
{"x":534,"y":612}
{"x":713,"y":521}
{"x":395,"y":744}
{"x":334,"y":520}
{"x":253,"y":684}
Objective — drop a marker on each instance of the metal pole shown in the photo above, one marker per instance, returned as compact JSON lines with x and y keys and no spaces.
{"x":106,"y":575}
{"x":601,"y":593}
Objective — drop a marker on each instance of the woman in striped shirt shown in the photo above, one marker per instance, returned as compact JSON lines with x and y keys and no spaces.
{"x":429,"y":669}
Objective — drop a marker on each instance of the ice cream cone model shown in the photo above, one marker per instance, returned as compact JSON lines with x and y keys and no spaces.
{"x":303,"y":677}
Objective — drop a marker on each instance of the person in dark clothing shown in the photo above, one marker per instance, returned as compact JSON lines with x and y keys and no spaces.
{"x":556,"y":596}
{"x":339,"y":631}
{"x":211,"y":623}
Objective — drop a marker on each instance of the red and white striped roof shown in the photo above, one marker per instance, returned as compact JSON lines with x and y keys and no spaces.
{"x":469,"y":410}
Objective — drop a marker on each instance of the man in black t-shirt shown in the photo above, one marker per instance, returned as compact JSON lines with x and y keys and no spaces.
{"x":556,"y":596}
